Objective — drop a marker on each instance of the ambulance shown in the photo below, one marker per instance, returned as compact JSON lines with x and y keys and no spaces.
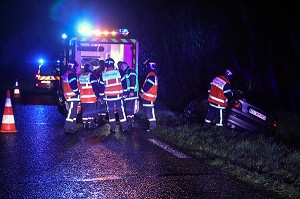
{"x":48,"y":75}
{"x":90,"y":45}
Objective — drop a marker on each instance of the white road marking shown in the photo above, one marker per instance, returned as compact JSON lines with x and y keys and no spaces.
{"x":168,"y":148}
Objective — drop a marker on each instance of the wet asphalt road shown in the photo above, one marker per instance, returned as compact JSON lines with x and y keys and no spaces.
{"x":41,"y":161}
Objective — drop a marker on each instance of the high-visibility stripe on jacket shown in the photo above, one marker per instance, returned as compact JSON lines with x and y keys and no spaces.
{"x":216,"y":92}
{"x":151,"y":94}
{"x":87,"y":94}
{"x":132,"y":80}
{"x":69,"y":78}
{"x":112,"y":82}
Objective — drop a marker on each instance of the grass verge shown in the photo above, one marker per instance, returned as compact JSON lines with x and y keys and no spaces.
{"x":253,"y":158}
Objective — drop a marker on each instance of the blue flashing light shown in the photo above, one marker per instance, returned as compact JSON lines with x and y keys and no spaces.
{"x":124,"y":32}
{"x":64,"y":36}
{"x":85,"y":29}
{"x":41,"y":61}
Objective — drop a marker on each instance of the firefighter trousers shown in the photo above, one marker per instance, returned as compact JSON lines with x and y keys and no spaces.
{"x":112,"y":105}
{"x":214,"y":111}
{"x":100,"y":111}
{"x":150,"y":111}
{"x":70,"y":122}
{"x":88,"y":112}
{"x":129,"y":111}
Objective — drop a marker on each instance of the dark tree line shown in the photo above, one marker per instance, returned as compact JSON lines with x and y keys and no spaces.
{"x":195,"y":41}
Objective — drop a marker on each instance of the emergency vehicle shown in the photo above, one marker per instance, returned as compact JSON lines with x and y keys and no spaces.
{"x":92,"y":45}
{"x":48,"y":75}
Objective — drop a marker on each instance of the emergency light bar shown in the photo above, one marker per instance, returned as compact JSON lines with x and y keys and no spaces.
{"x":86,"y":30}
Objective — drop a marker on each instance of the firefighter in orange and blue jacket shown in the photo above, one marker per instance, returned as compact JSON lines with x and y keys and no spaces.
{"x":219,"y":91}
{"x":72,"y":95}
{"x":89,"y":94}
{"x":149,"y":94}
{"x":111,"y":90}
{"x":131,"y":94}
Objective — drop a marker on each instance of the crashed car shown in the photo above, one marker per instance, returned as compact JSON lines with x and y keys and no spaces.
{"x":240,"y":114}
{"x":243,"y":115}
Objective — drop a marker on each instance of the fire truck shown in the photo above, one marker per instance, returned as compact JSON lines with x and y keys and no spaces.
{"x":92,"y":45}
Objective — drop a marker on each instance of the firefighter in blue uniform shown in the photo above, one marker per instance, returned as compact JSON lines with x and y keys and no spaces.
{"x":148,"y":93}
{"x":111,"y":90}
{"x":131,"y":93}
{"x":89,"y":94}
{"x":72,"y":95}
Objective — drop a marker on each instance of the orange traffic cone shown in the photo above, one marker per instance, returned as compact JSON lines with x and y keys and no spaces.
{"x":17,"y":90}
{"x":8,"y":120}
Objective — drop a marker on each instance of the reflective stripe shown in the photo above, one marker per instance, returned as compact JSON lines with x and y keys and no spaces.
{"x":150,"y":95}
{"x":8,"y":119}
{"x":207,"y":121}
{"x":148,"y":105}
{"x":112,"y":120}
{"x":217,"y":106}
{"x":112,"y":99}
{"x":218,"y":99}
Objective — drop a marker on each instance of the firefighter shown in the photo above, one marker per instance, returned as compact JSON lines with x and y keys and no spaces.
{"x":72,"y":95}
{"x":111,"y":90}
{"x":219,"y":91}
{"x":89,"y":94}
{"x":149,"y":93}
{"x":100,"y":104}
{"x":131,"y":94}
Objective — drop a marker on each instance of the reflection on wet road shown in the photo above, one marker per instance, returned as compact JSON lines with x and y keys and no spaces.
{"x":41,"y":161}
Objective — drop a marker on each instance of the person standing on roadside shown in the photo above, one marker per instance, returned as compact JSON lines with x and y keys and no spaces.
{"x":89,"y":94}
{"x":149,"y":93}
{"x":111,"y":90}
{"x":72,"y":95}
{"x":131,"y":94}
{"x":219,"y":90}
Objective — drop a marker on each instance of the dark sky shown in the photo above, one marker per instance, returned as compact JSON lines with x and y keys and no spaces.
{"x":35,"y":26}
{"x":260,"y":39}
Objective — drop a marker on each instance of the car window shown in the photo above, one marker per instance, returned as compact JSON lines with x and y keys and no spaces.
{"x":49,"y":70}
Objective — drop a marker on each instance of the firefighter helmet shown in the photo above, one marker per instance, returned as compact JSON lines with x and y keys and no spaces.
{"x":151,"y":65}
{"x":73,"y":65}
{"x":109,"y":62}
{"x":228,"y":73}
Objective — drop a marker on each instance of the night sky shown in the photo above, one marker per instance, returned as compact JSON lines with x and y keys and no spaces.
{"x":193,"y":41}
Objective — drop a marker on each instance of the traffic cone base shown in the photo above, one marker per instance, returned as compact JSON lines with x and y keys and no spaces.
{"x":8,"y":120}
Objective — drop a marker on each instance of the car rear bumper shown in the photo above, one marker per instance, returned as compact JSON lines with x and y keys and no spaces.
{"x":243,"y":121}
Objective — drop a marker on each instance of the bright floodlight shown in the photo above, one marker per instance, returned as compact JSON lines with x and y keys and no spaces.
{"x":64,"y":36}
